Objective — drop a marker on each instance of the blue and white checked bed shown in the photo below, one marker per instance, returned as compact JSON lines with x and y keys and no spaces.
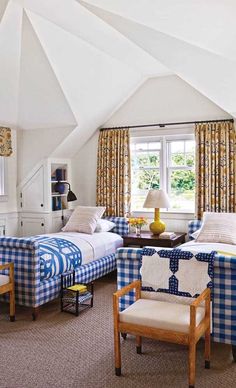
{"x":37,"y":276}
{"x":224,"y":287}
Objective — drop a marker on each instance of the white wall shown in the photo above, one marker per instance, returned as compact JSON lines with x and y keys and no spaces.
{"x":35,"y":145}
{"x":84,"y":172}
{"x":162,"y":99}
{"x":8,"y":204}
{"x":166,"y":99}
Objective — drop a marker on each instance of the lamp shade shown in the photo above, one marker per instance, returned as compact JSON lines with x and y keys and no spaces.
{"x":156,"y":199}
{"x":71,"y":196}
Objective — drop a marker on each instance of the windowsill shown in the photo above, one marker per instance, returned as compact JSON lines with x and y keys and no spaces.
{"x":164,"y":211}
{"x":165,"y":214}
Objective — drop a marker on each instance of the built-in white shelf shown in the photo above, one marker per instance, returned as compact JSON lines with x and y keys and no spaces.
{"x":58,"y":195}
{"x":59,"y":181}
{"x":58,"y":170}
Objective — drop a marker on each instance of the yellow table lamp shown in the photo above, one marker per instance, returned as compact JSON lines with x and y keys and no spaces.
{"x":157,"y":199}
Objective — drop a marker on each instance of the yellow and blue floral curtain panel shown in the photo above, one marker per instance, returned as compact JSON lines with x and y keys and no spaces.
{"x":114,"y":172}
{"x":5,"y":141}
{"x":215,"y":167}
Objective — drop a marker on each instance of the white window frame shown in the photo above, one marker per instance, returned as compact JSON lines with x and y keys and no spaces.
{"x":155,"y":150}
{"x":164,"y":165}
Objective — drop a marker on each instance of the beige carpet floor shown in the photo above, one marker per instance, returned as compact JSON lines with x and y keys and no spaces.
{"x":62,"y":351}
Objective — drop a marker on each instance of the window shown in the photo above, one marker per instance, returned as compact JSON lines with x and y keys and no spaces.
{"x":181,"y":174}
{"x":165,"y":163}
{"x":145,"y":165}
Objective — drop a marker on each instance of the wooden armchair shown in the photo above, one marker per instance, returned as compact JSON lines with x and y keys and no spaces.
{"x":156,"y":316}
{"x":7,"y":285}
{"x":164,"y":316}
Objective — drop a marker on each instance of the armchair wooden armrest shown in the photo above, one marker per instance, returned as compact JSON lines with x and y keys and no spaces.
{"x":9,"y":266}
{"x":203,"y":296}
{"x":136,"y":284}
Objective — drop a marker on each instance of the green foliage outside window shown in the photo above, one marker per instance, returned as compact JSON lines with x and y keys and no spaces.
{"x":182,"y":159}
{"x":146,"y":160}
{"x":182,"y":180}
{"x":146,"y":175}
{"x":147,"y":179}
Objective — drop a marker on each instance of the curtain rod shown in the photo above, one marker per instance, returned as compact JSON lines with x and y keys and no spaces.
{"x":162,"y":125}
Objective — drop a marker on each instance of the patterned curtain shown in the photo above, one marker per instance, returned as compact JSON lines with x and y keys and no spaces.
{"x":113,"y":172}
{"x":5,"y":141}
{"x":215,"y":167}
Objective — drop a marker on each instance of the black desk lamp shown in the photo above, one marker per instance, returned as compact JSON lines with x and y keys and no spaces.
{"x":70,"y":195}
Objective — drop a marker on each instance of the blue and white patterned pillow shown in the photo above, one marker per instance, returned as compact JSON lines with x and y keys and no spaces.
{"x":176,"y":272}
{"x":122,"y":226}
{"x":193,"y":226}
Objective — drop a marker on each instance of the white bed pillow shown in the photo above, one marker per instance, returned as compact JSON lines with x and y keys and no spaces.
{"x":84,"y":219}
{"x":104,"y":226}
{"x":218,"y":228}
{"x":195,"y":234}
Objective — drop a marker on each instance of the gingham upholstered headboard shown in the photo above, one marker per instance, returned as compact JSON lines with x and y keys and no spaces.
{"x":122,"y":227}
{"x":193,"y":226}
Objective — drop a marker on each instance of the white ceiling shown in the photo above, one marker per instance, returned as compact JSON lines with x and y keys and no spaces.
{"x":194,"y":39}
{"x":209,"y":24}
{"x":73,"y":63}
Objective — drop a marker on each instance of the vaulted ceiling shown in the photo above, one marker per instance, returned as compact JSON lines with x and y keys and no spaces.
{"x":73,"y":63}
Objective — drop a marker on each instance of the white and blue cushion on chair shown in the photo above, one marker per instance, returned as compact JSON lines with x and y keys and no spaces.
{"x":176,"y":273}
{"x":4,"y":279}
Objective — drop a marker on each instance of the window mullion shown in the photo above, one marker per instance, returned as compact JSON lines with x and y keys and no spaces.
{"x":163,"y":166}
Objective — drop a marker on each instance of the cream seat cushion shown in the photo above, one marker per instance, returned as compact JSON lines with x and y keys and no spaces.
{"x":161,"y":315}
{"x":4,"y":279}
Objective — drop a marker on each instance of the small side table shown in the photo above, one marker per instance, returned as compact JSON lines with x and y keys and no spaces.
{"x":148,"y":239}
{"x":75,"y":297}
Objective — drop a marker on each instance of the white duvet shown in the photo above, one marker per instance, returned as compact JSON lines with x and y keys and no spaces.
{"x":224,"y":249}
{"x":92,"y":246}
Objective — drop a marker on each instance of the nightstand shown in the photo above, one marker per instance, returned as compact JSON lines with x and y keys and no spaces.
{"x":75,"y":297}
{"x":148,"y":239}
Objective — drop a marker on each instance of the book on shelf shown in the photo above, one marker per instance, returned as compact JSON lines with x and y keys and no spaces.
{"x":56,"y":203}
{"x":58,"y":175}
{"x":168,"y":235}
